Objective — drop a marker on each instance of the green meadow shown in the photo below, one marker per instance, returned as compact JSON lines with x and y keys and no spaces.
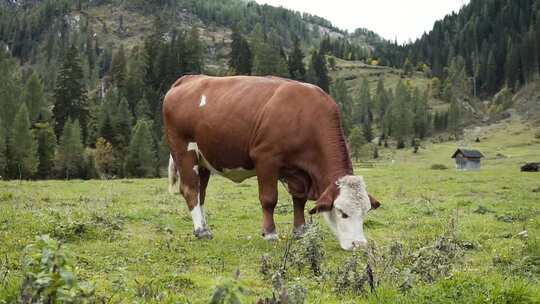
{"x":440,"y":236}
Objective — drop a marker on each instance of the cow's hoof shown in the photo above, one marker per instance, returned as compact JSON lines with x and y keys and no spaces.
{"x":272,"y":236}
{"x":203,"y":233}
{"x":298,"y":232}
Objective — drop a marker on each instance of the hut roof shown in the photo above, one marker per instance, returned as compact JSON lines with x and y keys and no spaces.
{"x":468,"y":153}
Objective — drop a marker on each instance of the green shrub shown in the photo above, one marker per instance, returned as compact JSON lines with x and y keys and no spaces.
{"x":49,"y":276}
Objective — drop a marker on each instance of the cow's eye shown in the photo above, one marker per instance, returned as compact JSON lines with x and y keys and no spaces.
{"x":343,"y":214}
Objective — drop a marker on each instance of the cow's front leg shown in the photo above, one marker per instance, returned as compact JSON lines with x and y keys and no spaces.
{"x":299,"y":219}
{"x":268,"y":195}
{"x":190,"y":187}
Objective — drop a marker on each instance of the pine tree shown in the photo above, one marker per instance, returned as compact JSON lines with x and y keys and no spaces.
{"x":297,"y":70}
{"x":3,"y":152}
{"x":362,"y":111}
{"x":135,"y":85}
{"x":122,"y":123}
{"x":69,"y":160}
{"x":141,"y":157}
{"x":341,"y":96}
{"x":119,"y":68}
{"x":408,"y":68}
{"x":10,"y":88}
{"x":240,"y":58}
{"x":491,"y":73}
{"x":421,"y":122}
{"x":454,"y":118}
{"x":23,"y":148}
{"x":194,"y":51}
{"x":46,"y":146}
{"x":317,"y":72}
{"x":356,"y":141}
{"x":34,"y":96}
{"x":401,"y":115}
{"x":70,"y":93}
{"x":142,"y":111}
{"x":268,"y":59}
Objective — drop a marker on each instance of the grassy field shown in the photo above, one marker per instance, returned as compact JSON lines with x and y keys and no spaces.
{"x":441,"y":236}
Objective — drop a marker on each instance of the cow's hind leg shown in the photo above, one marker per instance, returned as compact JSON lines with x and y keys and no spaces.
{"x":190,"y":187}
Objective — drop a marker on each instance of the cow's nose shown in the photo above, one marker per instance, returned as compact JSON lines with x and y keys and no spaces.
{"x":359,"y":244}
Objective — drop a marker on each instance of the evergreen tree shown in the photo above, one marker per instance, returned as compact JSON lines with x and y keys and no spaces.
{"x":142,"y":112}
{"x":356,"y":141}
{"x":381,"y":104}
{"x":268,"y":59}
{"x":119,"y":68}
{"x":3,"y":152}
{"x":297,"y":70}
{"x":491,"y":73}
{"x":23,"y":149}
{"x":69,"y":160}
{"x":408,"y":68}
{"x":10,"y":89}
{"x":194,"y":51}
{"x":34,"y":96}
{"x":135,"y":84}
{"x":318,"y":73}
{"x":241,"y":59}
{"x":401,"y":115}
{"x":70,"y":93}
{"x":46,"y":146}
{"x":454,"y":118}
{"x":341,"y":96}
{"x":141,"y":157}
{"x":421,"y":122}
{"x":362,"y":111}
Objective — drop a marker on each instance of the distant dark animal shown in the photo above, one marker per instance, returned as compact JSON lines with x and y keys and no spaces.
{"x":531,"y":167}
{"x":272,"y":128}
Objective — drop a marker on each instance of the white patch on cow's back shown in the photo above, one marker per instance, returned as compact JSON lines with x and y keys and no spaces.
{"x":203,"y":101}
{"x":196,"y":169}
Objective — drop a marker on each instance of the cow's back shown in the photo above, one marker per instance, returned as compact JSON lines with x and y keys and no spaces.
{"x":228,"y":117}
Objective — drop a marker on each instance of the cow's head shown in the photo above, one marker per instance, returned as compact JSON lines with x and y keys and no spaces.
{"x":344,"y":207}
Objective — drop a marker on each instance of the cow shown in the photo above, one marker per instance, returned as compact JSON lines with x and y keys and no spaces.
{"x":272,"y":128}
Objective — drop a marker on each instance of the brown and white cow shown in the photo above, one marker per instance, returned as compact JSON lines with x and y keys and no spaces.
{"x":272,"y":128}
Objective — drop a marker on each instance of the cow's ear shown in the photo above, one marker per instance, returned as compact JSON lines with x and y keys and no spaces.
{"x":321,"y":206}
{"x":326,"y":200}
{"x":374,"y":202}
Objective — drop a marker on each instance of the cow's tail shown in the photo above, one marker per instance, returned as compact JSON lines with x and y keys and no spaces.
{"x":174,"y":177}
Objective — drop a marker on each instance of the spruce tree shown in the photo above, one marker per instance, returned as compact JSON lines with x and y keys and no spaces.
{"x":34,"y":96}
{"x":297,"y":70}
{"x":23,"y":148}
{"x":70,"y":93}
{"x":491,"y":73}
{"x":141,"y":157}
{"x":401,"y":115}
{"x":69,"y":160}
{"x":119,"y":68}
{"x":240,"y":58}
{"x":454,"y":118}
{"x":3,"y":152}
{"x":317,"y":72}
{"x":195,"y":51}
{"x":356,"y":141}
{"x":46,"y":146}
{"x":341,"y":96}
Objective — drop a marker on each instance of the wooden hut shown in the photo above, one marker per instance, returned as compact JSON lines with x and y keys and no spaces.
{"x":467,"y":159}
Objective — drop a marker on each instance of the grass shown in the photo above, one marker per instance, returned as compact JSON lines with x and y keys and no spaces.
{"x":441,"y":236}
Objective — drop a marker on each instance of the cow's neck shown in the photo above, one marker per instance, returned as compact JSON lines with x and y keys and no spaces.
{"x":332,"y":164}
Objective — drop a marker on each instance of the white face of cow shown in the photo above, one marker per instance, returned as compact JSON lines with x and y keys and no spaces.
{"x":346,"y":219}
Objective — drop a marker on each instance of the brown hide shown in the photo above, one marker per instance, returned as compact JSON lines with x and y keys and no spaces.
{"x":282,"y":129}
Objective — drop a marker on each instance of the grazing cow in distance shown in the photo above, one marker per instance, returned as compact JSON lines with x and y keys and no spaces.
{"x":272,"y":128}
{"x":173,"y":176}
